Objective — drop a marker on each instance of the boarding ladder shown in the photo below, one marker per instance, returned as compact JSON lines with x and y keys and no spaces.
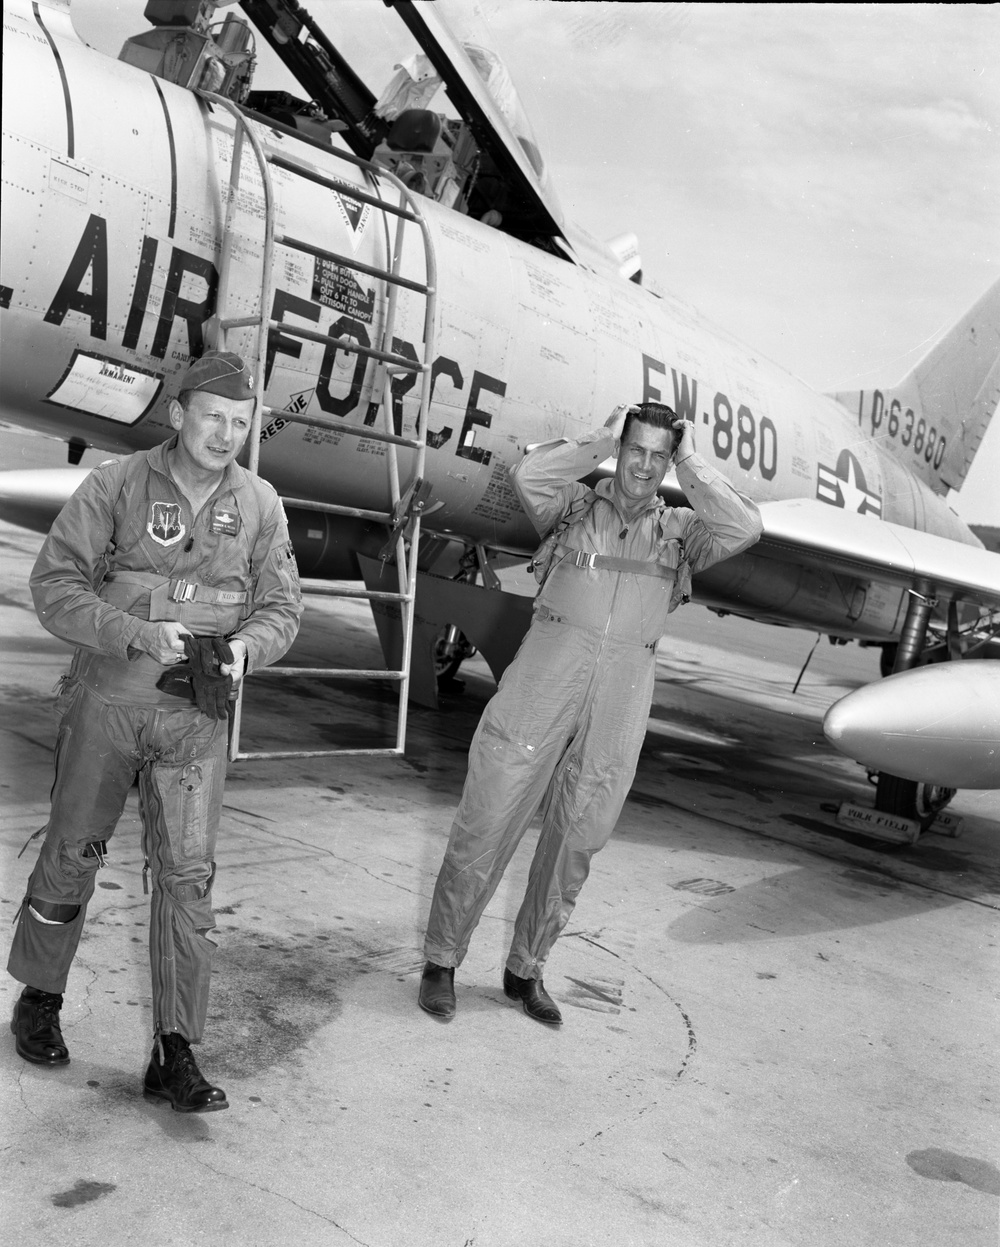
{"x":402,"y":517}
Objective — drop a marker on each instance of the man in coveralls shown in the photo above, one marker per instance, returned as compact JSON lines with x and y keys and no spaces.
{"x":565,"y":727}
{"x":172,"y":543}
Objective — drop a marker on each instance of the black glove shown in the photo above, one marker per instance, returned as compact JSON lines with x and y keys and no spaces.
{"x":211,"y":688}
{"x":200,"y":680}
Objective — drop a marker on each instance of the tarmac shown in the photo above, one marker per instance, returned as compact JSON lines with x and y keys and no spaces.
{"x":776,"y":1032}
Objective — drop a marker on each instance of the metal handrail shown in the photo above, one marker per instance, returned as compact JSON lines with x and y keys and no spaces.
{"x":321,"y":253}
{"x":387,"y":362}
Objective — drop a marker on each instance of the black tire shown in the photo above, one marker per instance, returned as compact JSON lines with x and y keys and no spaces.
{"x":448,"y":657}
{"x":896,"y":796}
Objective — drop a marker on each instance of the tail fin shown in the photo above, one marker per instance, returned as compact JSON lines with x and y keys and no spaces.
{"x":935,"y":419}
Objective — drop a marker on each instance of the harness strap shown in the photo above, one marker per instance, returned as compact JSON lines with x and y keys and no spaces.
{"x":608,"y":563}
{"x":182,"y":590}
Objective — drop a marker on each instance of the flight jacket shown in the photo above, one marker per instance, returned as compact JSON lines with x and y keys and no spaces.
{"x":126,"y":544}
{"x":626,"y":604}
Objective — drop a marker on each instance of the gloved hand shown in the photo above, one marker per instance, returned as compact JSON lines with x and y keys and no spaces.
{"x":211,"y":688}
{"x":200,"y":680}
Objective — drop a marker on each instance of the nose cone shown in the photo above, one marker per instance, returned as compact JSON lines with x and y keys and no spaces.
{"x":938,"y":725}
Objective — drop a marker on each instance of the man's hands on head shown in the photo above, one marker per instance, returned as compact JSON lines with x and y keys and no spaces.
{"x":686,"y":445}
{"x":616,"y":420}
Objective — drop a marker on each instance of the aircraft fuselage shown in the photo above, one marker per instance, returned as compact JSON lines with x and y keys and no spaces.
{"x":115,"y":203}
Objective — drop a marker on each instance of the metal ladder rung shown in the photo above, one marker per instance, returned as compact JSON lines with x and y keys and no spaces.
{"x":323,"y":589}
{"x":334,"y":673}
{"x":341,"y":188}
{"x":322,"y":254}
{"x":354,"y":430}
{"x":239,"y":322}
{"x":286,"y":754}
{"x":348,"y":345}
{"x":333,"y":508}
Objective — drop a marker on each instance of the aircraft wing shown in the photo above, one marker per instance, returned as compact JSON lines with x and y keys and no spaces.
{"x":502,"y":133}
{"x":818,"y":535}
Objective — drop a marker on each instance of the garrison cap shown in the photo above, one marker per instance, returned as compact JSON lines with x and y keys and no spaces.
{"x":220,"y":372}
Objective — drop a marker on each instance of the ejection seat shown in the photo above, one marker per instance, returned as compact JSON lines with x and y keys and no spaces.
{"x":418,"y":149}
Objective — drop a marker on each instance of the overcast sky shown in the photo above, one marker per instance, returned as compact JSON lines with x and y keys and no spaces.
{"x":821,"y":180}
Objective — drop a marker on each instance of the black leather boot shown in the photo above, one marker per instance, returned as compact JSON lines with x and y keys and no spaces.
{"x":437,"y":990}
{"x":537,"y":1002}
{"x":173,"y":1075}
{"x":35,"y":1025}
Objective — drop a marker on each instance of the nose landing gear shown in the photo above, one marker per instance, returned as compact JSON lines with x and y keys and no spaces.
{"x":905,"y":797}
{"x":451,"y":649}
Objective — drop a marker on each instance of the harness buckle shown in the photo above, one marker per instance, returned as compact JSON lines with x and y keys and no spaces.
{"x":581,"y":558}
{"x":98,"y":849}
{"x":183,"y":591}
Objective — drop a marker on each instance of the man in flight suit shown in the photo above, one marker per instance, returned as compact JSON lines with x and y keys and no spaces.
{"x":149,"y":559}
{"x":564,"y":729}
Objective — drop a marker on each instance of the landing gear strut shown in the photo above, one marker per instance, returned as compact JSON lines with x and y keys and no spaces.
{"x":452,"y":647}
{"x":892,"y":794}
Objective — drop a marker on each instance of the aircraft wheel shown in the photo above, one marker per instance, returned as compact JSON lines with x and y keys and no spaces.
{"x":907,"y":798}
{"x":451,"y":649}
{"x":896,"y":796}
{"x":931,"y":800}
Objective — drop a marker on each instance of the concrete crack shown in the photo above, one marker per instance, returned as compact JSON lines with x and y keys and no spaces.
{"x":346,"y":861}
{"x":266,"y":1190}
{"x":249,"y":813}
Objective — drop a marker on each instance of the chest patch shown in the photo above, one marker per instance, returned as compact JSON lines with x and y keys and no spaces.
{"x":164,"y":524}
{"x":225,"y":520}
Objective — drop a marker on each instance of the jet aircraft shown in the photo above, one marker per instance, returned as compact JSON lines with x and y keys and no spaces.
{"x":421,"y":309}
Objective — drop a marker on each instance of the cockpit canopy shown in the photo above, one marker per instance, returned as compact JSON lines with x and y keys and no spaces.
{"x":449,"y":121}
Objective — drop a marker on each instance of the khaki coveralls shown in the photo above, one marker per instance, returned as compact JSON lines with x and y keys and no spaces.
{"x":564,"y":729}
{"x":123,"y":550}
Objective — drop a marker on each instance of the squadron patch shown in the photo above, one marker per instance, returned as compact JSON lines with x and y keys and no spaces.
{"x":225,"y":520}
{"x":164,"y":524}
